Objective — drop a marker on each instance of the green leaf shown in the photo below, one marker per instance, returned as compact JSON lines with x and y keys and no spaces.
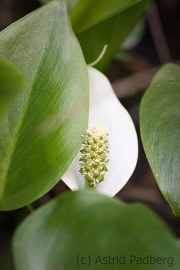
{"x":91,"y":12}
{"x":63,"y":233}
{"x":160,"y":132}
{"x":100,"y":23}
{"x":41,"y":132}
{"x":135,"y":36}
{"x":11,"y":83}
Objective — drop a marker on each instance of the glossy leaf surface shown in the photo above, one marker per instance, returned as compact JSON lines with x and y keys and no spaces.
{"x":11,"y":83}
{"x":160,"y":132}
{"x":84,"y":229}
{"x":41,"y":132}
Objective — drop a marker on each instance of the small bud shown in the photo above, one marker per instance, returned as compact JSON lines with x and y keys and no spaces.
{"x":94,"y":155}
{"x":93,"y":148}
{"x":95,"y":165}
{"x":101,"y":178}
{"x":87,"y":168}
{"x":88,"y":178}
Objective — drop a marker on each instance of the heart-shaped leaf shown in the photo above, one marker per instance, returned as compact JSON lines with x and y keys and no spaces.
{"x":84,"y":229}
{"x":41,"y":132}
{"x":160,"y":132}
{"x":11,"y":83}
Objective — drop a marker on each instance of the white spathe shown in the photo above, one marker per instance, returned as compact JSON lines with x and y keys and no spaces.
{"x":105,"y":109}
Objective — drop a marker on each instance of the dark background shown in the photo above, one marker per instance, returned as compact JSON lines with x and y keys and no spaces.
{"x":130,"y":74}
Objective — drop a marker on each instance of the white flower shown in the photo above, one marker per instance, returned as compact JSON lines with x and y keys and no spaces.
{"x":105,"y":109}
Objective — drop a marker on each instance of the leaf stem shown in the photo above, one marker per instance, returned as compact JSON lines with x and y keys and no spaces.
{"x":99,"y":57}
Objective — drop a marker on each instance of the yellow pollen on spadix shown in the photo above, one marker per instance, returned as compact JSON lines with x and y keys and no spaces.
{"x":99,"y":131}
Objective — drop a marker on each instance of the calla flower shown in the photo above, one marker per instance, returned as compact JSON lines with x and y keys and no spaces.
{"x":106,"y":110}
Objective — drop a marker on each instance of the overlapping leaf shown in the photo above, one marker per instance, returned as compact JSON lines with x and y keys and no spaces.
{"x":160,"y":131}
{"x":84,"y":229}
{"x":98,"y":23}
{"x":41,"y":132}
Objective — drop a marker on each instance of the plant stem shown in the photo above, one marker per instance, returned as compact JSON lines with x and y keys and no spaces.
{"x":88,"y":186}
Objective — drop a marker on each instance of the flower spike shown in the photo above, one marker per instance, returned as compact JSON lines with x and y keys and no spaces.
{"x":121,"y":159}
{"x":94,"y":155}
